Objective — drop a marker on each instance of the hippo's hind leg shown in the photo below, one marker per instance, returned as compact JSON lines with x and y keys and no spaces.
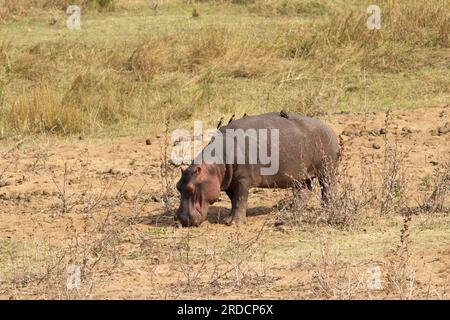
{"x":238,"y":194}
{"x":325,"y":189}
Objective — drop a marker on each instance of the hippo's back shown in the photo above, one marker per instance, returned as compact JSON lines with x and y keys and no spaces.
{"x":304,"y":143}
{"x":273,"y":120}
{"x":292,"y":128}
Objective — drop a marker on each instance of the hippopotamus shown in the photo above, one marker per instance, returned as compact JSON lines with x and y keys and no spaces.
{"x":306,"y":148}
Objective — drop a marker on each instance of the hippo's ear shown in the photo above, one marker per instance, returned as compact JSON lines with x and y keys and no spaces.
{"x":198,"y":170}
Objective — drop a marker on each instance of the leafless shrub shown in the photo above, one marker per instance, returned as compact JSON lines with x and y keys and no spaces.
{"x":78,"y":190}
{"x":167,"y":175}
{"x":65,"y":197}
{"x":92,"y":198}
{"x":394,"y":180}
{"x":43,"y":270}
{"x":368,"y":185}
{"x":332,"y":277}
{"x":239,"y":263}
{"x":346,"y":198}
{"x":400,"y":272}
{"x":345,"y":202}
{"x":438,"y":184}
{"x":188,"y":266}
{"x":237,"y":257}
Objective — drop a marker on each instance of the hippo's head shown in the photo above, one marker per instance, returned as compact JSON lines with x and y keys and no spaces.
{"x":199,"y":186}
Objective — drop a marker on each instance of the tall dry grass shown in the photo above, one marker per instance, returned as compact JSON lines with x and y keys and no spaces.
{"x":304,"y":67}
{"x":221,"y":49}
{"x":14,"y":9}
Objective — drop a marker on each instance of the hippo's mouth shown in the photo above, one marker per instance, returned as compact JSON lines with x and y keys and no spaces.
{"x":193,"y":218}
{"x":194,"y":211}
{"x":198,"y":212}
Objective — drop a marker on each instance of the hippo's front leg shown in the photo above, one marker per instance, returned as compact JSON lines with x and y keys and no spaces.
{"x":238,"y":194}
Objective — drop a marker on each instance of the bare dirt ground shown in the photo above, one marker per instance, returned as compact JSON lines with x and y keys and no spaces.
{"x":99,"y":204}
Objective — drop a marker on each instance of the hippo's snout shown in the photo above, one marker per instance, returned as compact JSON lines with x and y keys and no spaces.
{"x":199,"y":186}
{"x":184,"y":218}
{"x":190,"y":217}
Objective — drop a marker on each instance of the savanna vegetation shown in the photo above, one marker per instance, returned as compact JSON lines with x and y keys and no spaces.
{"x":85,"y":123}
{"x":133,"y":63}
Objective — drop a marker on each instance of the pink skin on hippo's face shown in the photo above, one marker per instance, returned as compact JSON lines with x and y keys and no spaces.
{"x":199,"y":186}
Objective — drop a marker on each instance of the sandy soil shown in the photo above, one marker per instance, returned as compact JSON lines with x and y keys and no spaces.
{"x":98,"y":203}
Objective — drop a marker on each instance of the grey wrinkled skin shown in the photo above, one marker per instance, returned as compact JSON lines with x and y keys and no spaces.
{"x":308,"y":149}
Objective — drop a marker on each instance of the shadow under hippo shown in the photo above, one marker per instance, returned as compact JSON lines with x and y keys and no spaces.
{"x":219,"y":214}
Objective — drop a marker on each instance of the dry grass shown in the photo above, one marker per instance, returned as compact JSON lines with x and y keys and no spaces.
{"x":318,"y":64}
{"x":332,"y":277}
{"x":400,"y":271}
{"x":218,"y":48}
{"x":336,"y":277}
{"x":14,"y":9}
{"x":385,"y":189}
{"x":393,"y":176}
{"x":127,"y":240}
{"x":311,"y":57}
{"x":42,"y":269}
{"x":435,"y":190}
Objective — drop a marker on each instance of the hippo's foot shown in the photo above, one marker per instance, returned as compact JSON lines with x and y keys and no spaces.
{"x":230,"y":221}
